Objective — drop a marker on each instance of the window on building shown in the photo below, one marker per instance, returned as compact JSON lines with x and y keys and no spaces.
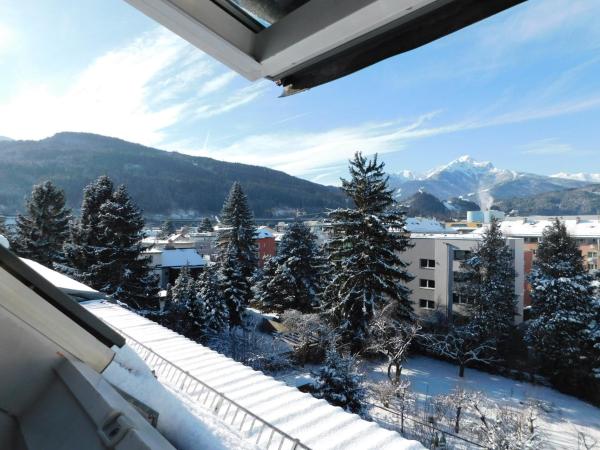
{"x":461,"y":255}
{"x":427,"y":284}
{"x":426,"y":304}
{"x":460,"y":277}
{"x":592,"y":254}
{"x":462,"y":299}
{"x":427,"y":263}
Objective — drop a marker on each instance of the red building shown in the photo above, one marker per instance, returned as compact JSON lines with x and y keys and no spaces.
{"x":265,"y":241}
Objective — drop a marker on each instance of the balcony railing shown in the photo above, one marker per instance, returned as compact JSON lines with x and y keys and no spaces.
{"x":262,"y":433}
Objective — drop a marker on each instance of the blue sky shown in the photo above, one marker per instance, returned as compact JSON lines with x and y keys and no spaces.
{"x":521,"y":89}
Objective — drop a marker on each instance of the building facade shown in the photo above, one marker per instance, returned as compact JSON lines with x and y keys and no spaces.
{"x":435,"y":261}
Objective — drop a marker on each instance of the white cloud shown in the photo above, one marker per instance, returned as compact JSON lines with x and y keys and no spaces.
{"x":238,"y":98}
{"x":135,"y":92}
{"x":550,"y":146}
{"x":322,"y":156}
{"x":539,"y":19}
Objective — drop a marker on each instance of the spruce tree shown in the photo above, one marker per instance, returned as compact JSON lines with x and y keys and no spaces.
{"x":80,"y":251}
{"x":490,"y":282}
{"x":120,"y":270}
{"x":237,"y":235}
{"x":43,"y":229}
{"x":365,"y":269}
{"x":206,"y":225}
{"x":177,"y":309}
{"x":167,"y":228}
{"x":292,"y":279}
{"x":3,"y":227}
{"x":216,"y":313}
{"x":563,"y":307}
{"x":339,"y":384}
{"x":233,"y":286}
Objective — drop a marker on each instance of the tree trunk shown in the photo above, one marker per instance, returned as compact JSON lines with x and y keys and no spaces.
{"x":396,"y":378}
{"x":461,"y":370}
{"x":457,"y":421}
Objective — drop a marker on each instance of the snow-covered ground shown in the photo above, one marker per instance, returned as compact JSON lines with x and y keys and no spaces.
{"x":563,"y":418}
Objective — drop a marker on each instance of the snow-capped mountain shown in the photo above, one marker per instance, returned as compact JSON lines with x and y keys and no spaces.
{"x":478,"y":181}
{"x":587,"y":177}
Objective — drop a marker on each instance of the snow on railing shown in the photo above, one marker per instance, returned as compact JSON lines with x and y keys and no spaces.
{"x":262,"y":433}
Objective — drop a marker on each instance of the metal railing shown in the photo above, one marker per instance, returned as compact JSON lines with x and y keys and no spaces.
{"x":410,"y":418}
{"x":262,"y":433}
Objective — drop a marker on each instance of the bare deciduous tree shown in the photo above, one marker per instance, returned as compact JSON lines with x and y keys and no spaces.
{"x":461,"y":344}
{"x":392,"y":339}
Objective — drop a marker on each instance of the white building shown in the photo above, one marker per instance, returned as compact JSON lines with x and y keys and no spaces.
{"x":167,"y":262}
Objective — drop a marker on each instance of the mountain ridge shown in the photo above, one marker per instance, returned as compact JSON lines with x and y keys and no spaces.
{"x":161,"y":182}
{"x":478,"y":181}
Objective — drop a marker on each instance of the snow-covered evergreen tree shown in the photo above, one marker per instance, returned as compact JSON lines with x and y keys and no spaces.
{"x":167,"y":228}
{"x":233,"y":286}
{"x":80,"y":251}
{"x":42,"y":231}
{"x":490,"y":282}
{"x":120,"y":270}
{"x":180,"y":302}
{"x":563,"y":307}
{"x":216,"y":313}
{"x":365,"y":269}
{"x":206,"y":225}
{"x":339,"y":383}
{"x":292,"y":279}
{"x":3,"y":227}
{"x":237,"y":234}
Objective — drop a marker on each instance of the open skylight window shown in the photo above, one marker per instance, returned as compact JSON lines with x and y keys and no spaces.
{"x":304,"y":43}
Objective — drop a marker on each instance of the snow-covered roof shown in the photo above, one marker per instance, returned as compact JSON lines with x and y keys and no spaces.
{"x":424,"y":225}
{"x":524,"y":227}
{"x":316,"y":423}
{"x":179,"y":257}
{"x":4,"y":242}
{"x":63,"y":282}
{"x":264,"y":232}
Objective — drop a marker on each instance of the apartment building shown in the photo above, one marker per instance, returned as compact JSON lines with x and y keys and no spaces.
{"x":584,"y":229}
{"x":435,"y":261}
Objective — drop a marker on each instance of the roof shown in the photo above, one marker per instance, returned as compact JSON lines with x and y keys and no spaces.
{"x":424,"y":225}
{"x":264,"y":232}
{"x":63,"y":282}
{"x":584,"y":228}
{"x":179,"y":257}
{"x":316,"y":423}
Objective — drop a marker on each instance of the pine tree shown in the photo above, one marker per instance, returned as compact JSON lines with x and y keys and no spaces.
{"x":365,"y":269}
{"x":233,"y":286}
{"x":206,"y":225}
{"x":3,"y":227}
{"x":216,"y":313}
{"x":43,"y":229}
{"x":120,"y":269}
{"x":292,"y":279}
{"x":339,"y":384}
{"x":167,"y":228}
{"x":490,"y":282}
{"x":237,"y":236}
{"x":178,"y":308}
{"x":80,"y":251}
{"x":563,"y":307}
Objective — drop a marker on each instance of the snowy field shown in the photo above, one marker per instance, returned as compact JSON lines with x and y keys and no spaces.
{"x":564,"y":417}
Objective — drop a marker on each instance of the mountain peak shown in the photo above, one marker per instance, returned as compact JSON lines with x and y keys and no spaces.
{"x":464,"y":163}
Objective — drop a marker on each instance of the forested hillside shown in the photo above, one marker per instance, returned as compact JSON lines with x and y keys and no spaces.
{"x":160,"y":182}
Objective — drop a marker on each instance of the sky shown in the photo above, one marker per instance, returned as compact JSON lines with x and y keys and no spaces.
{"x":520,"y":89}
